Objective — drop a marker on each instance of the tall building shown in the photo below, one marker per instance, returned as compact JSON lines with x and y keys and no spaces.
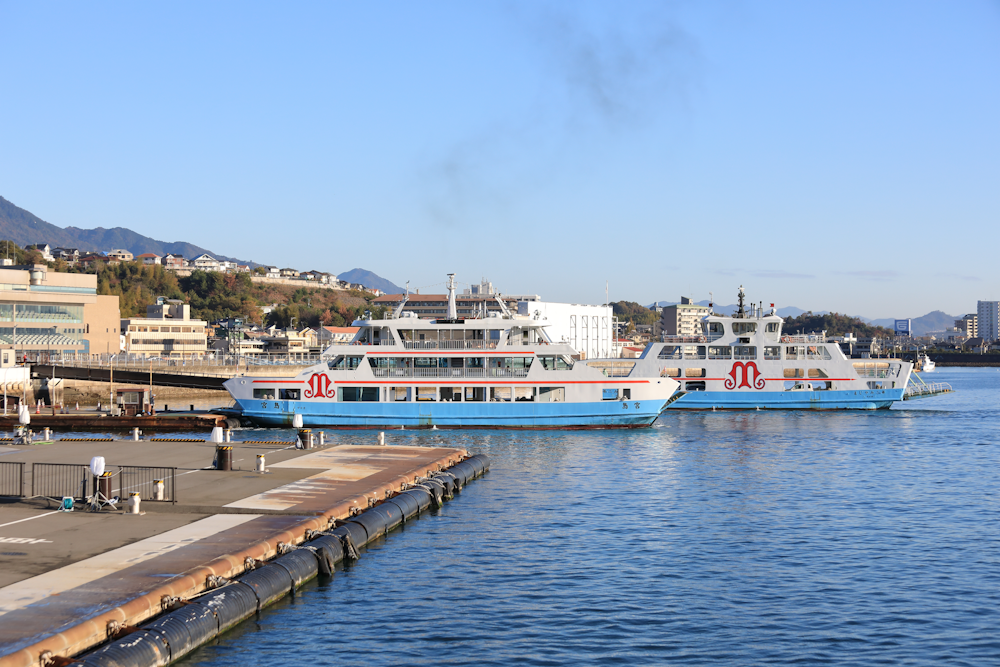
{"x":988,"y":320}
{"x":968,"y":325}
{"x":44,"y":311}
{"x":683,"y":319}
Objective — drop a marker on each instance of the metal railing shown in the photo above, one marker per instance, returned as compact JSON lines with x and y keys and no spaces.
{"x":691,"y":339}
{"x":143,"y":479}
{"x":59,"y":480}
{"x":451,"y":344}
{"x":450,"y":372}
{"x":12,"y":479}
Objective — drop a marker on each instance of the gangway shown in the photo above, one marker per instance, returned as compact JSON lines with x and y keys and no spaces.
{"x":922,"y":389}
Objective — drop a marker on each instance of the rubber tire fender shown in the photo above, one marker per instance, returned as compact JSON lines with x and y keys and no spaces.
{"x":139,"y":649}
{"x":480,"y":462}
{"x":355,"y":531}
{"x":269,"y":583}
{"x":301,"y":565}
{"x":331,"y":549}
{"x":231,"y":604}
{"x":185,"y":629}
{"x":406,"y":504}
{"x":392,"y":513}
{"x":447,"y":485}
{"x":373,"y":522}
{"x":420,"y":496}
{"x":437,"y":491}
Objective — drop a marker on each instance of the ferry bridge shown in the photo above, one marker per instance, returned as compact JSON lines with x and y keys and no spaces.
{"x":193,"y":375}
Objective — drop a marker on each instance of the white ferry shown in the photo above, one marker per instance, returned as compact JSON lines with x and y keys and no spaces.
{"x":924,"y":363}
{"x":496,"y":371}
{"x":747,"y":362}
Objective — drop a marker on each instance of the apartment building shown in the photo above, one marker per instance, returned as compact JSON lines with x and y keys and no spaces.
{"x":167,"y":331}
{"x":988,"y":320}
{"x":683,"y":319}
{"x":968,"y":325}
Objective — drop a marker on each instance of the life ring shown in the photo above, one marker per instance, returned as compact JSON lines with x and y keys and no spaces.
{"x":701,"y":339}
{"x":784,"y":339}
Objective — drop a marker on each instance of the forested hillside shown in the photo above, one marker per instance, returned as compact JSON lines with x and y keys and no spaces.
{"x":834,"y":324}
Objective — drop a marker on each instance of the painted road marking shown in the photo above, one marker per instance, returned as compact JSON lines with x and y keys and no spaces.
{"x":11,"y":523}
{"x":24,"y":540}
{"x":23,"y":593}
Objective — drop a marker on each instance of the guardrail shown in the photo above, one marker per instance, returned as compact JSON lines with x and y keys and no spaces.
{"x":458,"y":373}
{"x":59,"y":480}
{"x":12,"y":479}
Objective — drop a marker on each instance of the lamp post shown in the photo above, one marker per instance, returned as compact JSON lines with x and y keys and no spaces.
{"x":111,"y":367}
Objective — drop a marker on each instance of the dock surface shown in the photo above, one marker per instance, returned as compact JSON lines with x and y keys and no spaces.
{"x":65,"y":575}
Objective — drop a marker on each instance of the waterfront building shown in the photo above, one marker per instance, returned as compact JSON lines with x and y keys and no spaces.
{"x":968,"y":325}
{"x":330,"y":335}
{"x":167,"y":331}
{"x":683,"y":319}
{"x":43,"y":311}
{"x":988,"y":320}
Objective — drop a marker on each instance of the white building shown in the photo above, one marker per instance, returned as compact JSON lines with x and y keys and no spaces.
{"x":988,"y":320}
{"x":167,"y":331}
{"x":588,"y":329}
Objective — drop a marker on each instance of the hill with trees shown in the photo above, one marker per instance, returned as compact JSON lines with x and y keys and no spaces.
{"x":834,"y":324}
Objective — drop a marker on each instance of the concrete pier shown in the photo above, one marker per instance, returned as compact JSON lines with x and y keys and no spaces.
{"x":68,"y":577}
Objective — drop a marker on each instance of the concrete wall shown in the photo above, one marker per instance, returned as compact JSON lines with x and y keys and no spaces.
{"x":102,"y":322}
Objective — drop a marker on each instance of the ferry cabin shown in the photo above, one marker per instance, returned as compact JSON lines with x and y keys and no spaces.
{"x":747,"y":362}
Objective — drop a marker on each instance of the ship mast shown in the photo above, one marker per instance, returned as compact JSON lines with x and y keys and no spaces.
{"x":741,"y":312}
{"x":452,"y":309}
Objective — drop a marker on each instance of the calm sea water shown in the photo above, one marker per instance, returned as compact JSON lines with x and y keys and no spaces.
{"x":731,"y":538}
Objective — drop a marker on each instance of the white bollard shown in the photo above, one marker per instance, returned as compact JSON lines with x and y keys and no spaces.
{"x":133,"y":503}
{"x":261,"y":467}
{"x":216,"y":434}
{"x":229,"y":435}
{"x":322,"y":438}
{"x":46,"y":434}
{"x":135,"y":434}
{"x":158,"y":489}
{"x":381,"y":438}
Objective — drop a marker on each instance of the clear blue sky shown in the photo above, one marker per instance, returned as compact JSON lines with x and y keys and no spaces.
{"x":840,"y":156}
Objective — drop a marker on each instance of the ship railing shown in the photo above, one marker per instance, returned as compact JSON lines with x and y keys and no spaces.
{"x":720,"y":356}
{"x":745,"y":357}
{"x":875,"y":372}
{"x":678,"y":355}
{"x":450,"y":344}
{"x":691,"y":339}
{"x":925,"y":389}
{"x":804,"y":338}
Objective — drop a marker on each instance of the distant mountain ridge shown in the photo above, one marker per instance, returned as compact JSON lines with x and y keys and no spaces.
{"x":25,"y":228}
{"x":371,"y":280}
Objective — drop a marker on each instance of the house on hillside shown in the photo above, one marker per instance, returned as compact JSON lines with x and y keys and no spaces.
{"x":92,"y":258}
{"x":173,"y":262}
{"x":150,"y":258}
{"x":289,"y":273}
{"x":242,"y":268}
{"x":330,"y":335}
{"x":44,"y":249}
{"x":318,"y":277}
{"x":205,"y":262}
{"x":272,"y":272}
{"x":68,"y":255}
{"x":121,"y":255}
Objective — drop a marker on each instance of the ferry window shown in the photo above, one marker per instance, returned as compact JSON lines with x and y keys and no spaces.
{"x":399,"y":393}
{"x":720,"y":352}
{"x":451,"y":393}
{"x":822,"y":386}
{"x":795,"y":373}
{"x":670,"y":372}
{"x":266,"y":393}
{"x":694,"y":372}
{"x":426,"y":393}
{"x":350,"y":394}
{"x":289,"y":394}
{"x":524,"y":393}
{"x":817,"y":373}
{"x":457,"y":362}
{"x":771,"y":327}
{"x":817,"y":352}
{"x":556,"y":363}
{"x":740,"y":328}
{"x":475,"y":362}
{"x":626,"y":394}
{"x":746,"y":352}
{"x":610,"y":395}
{"x":715,"y":328}
{"x":551,"y":394}
{"x":694,"y":386}
{"x":772,"y":352}
{"x":500,"y":394}
{"x":475,"y":394}
{"x":670,"y":352}
{"x":795,"y":352}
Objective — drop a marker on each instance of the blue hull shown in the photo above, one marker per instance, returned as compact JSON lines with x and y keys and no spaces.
{"x":526,"y":415}
{"x":867,"y":399}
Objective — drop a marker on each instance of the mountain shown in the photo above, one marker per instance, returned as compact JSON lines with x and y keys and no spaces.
{"x":369,"y":279}
{"x":919,"y":326}
{"x":24,"y":228}
{"x":787,"y":311}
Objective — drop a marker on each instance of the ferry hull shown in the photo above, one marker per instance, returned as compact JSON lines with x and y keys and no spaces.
{"x":872,"y":399}
{"x":610,"y":414}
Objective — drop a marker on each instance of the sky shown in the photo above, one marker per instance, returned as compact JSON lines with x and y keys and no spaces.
{"x":839,"y":156}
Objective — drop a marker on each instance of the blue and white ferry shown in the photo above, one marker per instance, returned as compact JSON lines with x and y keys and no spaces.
{"x":747,"y":362}
{"x":501,"y":370}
